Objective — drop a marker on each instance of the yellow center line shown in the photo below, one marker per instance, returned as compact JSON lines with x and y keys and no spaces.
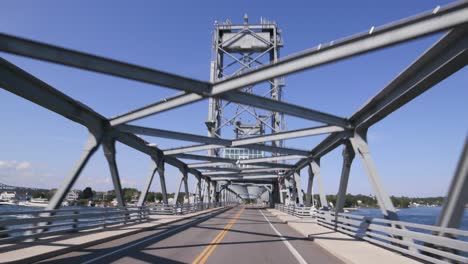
{"x":201,"y":259}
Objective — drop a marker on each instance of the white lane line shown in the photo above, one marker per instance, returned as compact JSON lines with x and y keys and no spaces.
{"x":296,"y":254}
{"x":147,"y":239}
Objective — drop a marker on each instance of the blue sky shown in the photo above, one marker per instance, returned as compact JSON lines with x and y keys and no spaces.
{"x":415,"y":149}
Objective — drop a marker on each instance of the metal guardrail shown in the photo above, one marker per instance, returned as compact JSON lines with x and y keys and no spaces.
{"x":425,"y":242}
{"x":177,"y":209}
{"x":22,"y":225}
{"x":302,"y":211}
{"x":32,"y":224}
{"x":430,"y":243}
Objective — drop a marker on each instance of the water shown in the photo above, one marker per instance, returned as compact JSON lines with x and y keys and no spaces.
{"x":419,"y":215}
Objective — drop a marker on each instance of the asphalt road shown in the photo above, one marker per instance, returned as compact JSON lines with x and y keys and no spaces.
{"x":238,"y":235}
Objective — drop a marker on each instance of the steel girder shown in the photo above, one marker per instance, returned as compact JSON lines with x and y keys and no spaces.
{"x":242,"y":161}
{"x":267,"y":148}
{"x":444,"y":58}
{"x":146,"y":131}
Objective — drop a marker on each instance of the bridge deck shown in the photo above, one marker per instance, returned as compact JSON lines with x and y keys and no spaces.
{"x":239,"y":235}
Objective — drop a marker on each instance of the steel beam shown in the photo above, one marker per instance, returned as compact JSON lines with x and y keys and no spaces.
{"x":213,"y":143}
{"x":444,"y":58}
{"x":208,"y":165}
{"x":187,"y":191}
{"x":179,"y":185}
{"x":162,"y":180}
{"x":328,"y":144}
{"x":314,"y":169}
{"x":108,"y":145}
{"x":149,"y":180}
{"x":392,"y":34}
{"x":309,"y":193}
{"x":287,"y":135}
{"x":139,"y":130}
{"x":246,"y":161}
{"x":360,"y":146}
{"x":283,"y":107}
{"x":92,"y":144}
{"x":457,"y":196}
{"x":85,"y":61}
{"x":23,"y":84}
{"x":298,"y":186}
{"x":348,"y":156}
{"x":252,"y":146}
{"x":241,"y":171}
{"x":404,"y":30}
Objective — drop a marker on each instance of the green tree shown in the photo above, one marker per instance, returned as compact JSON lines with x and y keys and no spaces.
{"x":159,"y":197}
{"x":150,"y":197}
{"x":129,"y":193}
{"x":87,"y":193}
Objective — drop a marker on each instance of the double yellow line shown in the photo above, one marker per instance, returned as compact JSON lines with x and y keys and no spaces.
{"x":201,"y":259}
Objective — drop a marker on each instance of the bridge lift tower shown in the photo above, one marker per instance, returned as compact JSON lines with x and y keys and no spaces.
{"x":237,"y":49}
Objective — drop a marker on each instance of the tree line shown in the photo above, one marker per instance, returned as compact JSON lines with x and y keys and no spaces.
{"x":360,"y":200}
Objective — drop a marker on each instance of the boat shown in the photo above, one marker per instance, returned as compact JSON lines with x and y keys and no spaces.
{"x":7,"y":202}
{"x":37,"y":202}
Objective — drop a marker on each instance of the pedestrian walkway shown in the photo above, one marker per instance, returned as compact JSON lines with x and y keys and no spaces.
{"x":344,"y":247}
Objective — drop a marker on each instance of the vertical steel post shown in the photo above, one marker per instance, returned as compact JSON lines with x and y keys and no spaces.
{"x":187,"y":192}
{"x":457,"y":196}
{"x":179,"y":185}
{"x":310,"y":183}
{"x":348,"y":156}
{"x":92,"y":144}
{"x":149,"y":180}
{"x":109,"y":152}
{"x":162,"y":180}
{"x":359,"y":143}
{"x":315,"y":169}
{"x":299,"y":197}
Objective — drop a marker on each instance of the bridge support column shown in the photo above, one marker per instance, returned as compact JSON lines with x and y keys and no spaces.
{"x":213,"y":191}
{"x":359,"y":143}
{"x":314,"y":169}
{"x":348,"y":156}
{"x":309,"y":194}
{"x":187,"y":191}
{"x":457,"y":196}
{"x":109,"y":152}
{"x":199,"y":190}
{"x":287,"y":185}
{"x":92,"y":144}
{"x":162,"y":180}
{"x":179,"y":185}
{"x":299,"y":198}
{"x":149,"y":180}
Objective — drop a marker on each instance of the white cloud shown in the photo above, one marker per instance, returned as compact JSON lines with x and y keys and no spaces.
{"x":7,"y":164}
{"x":24,"y":165}
{"x":15,"y":165}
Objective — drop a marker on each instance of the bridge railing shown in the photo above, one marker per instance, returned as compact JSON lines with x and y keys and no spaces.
{"x":299,"y":211}
{"x":177,"y":209}
{"x":429,"y":243}
{"x":32,"y":224}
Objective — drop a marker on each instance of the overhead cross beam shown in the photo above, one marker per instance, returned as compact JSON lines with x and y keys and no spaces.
{"x":242,"y":161}
{"x":251,"y":146}
{"x":25,"y":85}
{"x":444,"y":58}
{"x":213,"y":143}
{"x":237,"y":163}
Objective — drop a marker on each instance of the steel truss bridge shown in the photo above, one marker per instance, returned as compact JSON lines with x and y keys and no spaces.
{"x":280,"y":182}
